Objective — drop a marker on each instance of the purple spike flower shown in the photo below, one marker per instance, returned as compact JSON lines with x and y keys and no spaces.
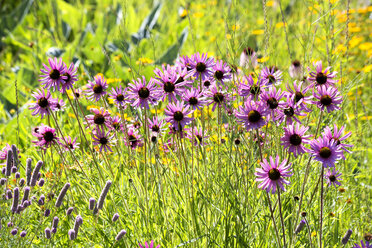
{"x":15,"y":199}
{"x":69,"y":211}
{"x":252,"y":114}
{"x":294,"y":138}
{"x":115,"y":217}
{"x":47,"y":232}
{"x":142,"y":93}
{"x":97,"y":88}
{"x":325,"y":151}
{"x":35,"y":173}
{"x":71,"y":234}
{"x":103,"y":195}
{"x":9,"y":162}
{"x":320,"y":77}
{"x":272,"y":174}
{"x":177,"y":115}
{"x":120,"y":235}
{"x":62,"y":194}
{"x":52,"y":77}
{"x":92,"y":203}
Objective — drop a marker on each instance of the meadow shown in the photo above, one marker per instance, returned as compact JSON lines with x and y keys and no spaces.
{"x":185,"y":123}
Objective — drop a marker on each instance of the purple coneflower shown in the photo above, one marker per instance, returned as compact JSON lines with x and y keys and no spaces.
{"x":270,"y":76}
{"x":103,"y":139}
{"x":194,"y":98}
{"x":156,"y":125}
{"x":252,"y":114}
{"x":133,"y":139}
{"x":177,"y":115}
{"x":336,"y":136}
{"x":44,"y":103}
{"x":46,"y":137}
{"x":60,"y":105}
{"x":248,"y":87}
{"x":77,"y":93}
{"x":146,"y":245}
{"x":201,"y":66}
{"x":298,"y":96}
{"x":198,"y":136}
{"x":100,"y":119}
{"x":167,"y":84}
{"x":116,"y":124}
{"x":296,"y":70}
{"x":119,"y":95}
{"x":52,"y":77}
{"x":325,"y":151}
{"x":218,"y":97}
{"x":333,"y":177}
{"x":272,"y":99}
{"x":4,"y":152}
{"x":142,"y":93}
{"x":221,"y":72}
{"x":289,"y":113}
{"x":363,"y":245}
{"x":183,"y":76}
{"x":248,"y":58}
{"x":320,"y":77}
{"x":97,"y":88}
{"x":71,"y":78}
{"x":71,"y":144}
{"x":328,"y":97}
{"x":184,"y":62}
{"x":272,"y":174}
{"x":294,"y":138}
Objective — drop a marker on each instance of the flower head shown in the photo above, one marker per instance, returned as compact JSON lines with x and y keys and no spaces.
{"x":248,"y":87}
{"x":270,"y":76}
{"x":272,"y":174}
{"x":97,"y":88}
{"x":100,"y":119}
{"x":120,"y":97}
{"x":197,"y":136}
{"x":363,"y":245}
{"x":169,"y":86}
{"x":53,"y":76}
{"x":46,"y":136}
{"x":325,"y":151}
{"x":194,"y":98}
{"x":146,"y":245}
{"x":142,"y":93}
{"x":133,"y":139}
{"x":321,"y":77}
{"x":296,"y":70}
{"x":252,"y":114}
{"x":338,"y":138}
{"x":289,"y":113}
{"x":201,"y":66}
{"x":221,"y":72}
{"x":328,"y":97}
{"x":177,"y":115}
{"x":44,"y":103}
{"x":248,"y":58}
{"x":294,"y":138}
{"x":71,"y":78}
{"x":218,"y":97}
{"x":333,"y":177}
{"x":71,"y":144}
{"x":298,"y":96}
{"x":102,"y":139}
{"x":272,"y":99}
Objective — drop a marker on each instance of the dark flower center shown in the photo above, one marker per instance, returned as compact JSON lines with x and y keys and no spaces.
{"x":234,"y":68}
{"x":248,"y":51}
{"x":144,"y":93}
{"x":295,"y":139}
{"x":289,"y":111}
{"x":237,"y":141}
{"x":254,"y":116}
{"x":116,"y":125}
{"x":218,"y":75}
{"x":179,"y":80}
{"x":155,"y":128}
{"x":326,"y":100}
{"x":48,"y":136}
{"x":137,"y":124}
{"x":321,"y":78}
{"x":178,"y":116}
{"x":199,"y":137}
{"x":68,"y":77}
{"x":153,"y":139}
{"x":193,"y":100}
{"x":273,"y":103}
{"x":274,"y":174}
{"x":338,"y":142}
{"x":207,"y":83}
{"x":103,"y":141}
{"x":54,"y":74}
{"x":99,"y":119}
{"x":71,"y":145}
{"x":218,"y":97}
{"x":97,"y":88}
{"x":120,"y":97}
{"x":296,"y":63}
{"x":325,"y":152}
{"x":332,"y":178}
{"x":271,"y":79}
{"x":298,"y":96}
{"x":255,"y":90}
{"x":169,"y":87}
{"x":200,"y":67}
{"x":43,"y":102}
{"x":77,"y":94}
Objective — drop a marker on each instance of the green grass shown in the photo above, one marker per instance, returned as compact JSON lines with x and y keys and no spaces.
{"x":205,"y":197}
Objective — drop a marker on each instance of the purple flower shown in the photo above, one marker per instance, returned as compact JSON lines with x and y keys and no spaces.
{"x":325,"y":151}
{"x":97,"y":88}
{"x":14,"y":231}
{"x":70,"y":79}
{"x":52,"y":77}
{"x":296,"y":70}
{"x":194,"y":98}
{"x":272,"y":174}
{"x":120,"y":235}
{"x":218,"y":97}
{"x":336,"y":136}
{"x":100,"y":119}
{"x":69,"y":211}
{"x":71,"y":144}
{"x":60,"y":105}
{"x":270,"y":76}
{"x":4,"y":151}
{"x":289,"y":113}
{"x":71,"y":234}
{"x":146,"y":245}
{"x":23,"y":234}
{"x":44,"y":103}
{"x":294,"y":138}
{"x":177,"y":115}
{"x":103,"y":139}
{"x":116,"y":124}
{"x":156,"y":125}
{"x":46,"y":137}
{"x":103,"y":195}
{"x":77,"y":93}
{"x":201,"y":66}
{"x":92,"y":203}
{"x":333,"y":177}
{"x":297,"y":96}
{"x":247,"y":87}
{"x":133,"y":139}
{"x":48,"y":234}
{"x":272,"y":99}
{"x":198,"y":136}
{"x":248,"y":58}
{"x":252,"y":114}
{"x":142,"y":93}
{"x":115,"y":217}
{"x":300,"y":226}
{"x":221,"y":72}
{"x":184,"y":62}
{"x":167,"y":84}
{"x":328,"y":97}
{"x":120,"y":97}
{"x":363,"y":245}
{"x":183,"y":76}
{"x":320,"y":77}
{"x":61,"y":195}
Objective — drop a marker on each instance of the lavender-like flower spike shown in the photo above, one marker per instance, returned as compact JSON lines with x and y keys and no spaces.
{"x":78,"y":223}
{"x":346,"y":238}
{"x":300,"y":226}
{"x":36,"y":172}
{"x":92,"y":203}
{"x":15,"y":155}
{"x":62,"y":195}
{"x":48,"y":234}
{"x":71,"y":234}
{"x":69,"y":211}
{"x":9,"y":159}
{"x":55,"y":222}
{"x":120,"y":235}
{"x":15,"y":199}
{"x":103,"y":195}
{"x":115,"y":217}
{"x":23,"y":234}
{"x":28,"y":171}
{"x":26,"y":193}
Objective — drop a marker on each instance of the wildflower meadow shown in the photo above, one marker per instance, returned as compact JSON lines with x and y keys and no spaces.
{"x":185,"y":123}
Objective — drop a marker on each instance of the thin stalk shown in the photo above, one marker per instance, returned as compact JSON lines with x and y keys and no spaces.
{"x":321,"y":208}
{"x":281,"y":216}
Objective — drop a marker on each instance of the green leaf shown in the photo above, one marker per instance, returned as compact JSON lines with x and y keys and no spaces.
{"x":172,"y":53}
{"x":147,"y":25}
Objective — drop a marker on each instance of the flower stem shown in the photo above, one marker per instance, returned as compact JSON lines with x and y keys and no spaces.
{"x":321,"y":208}
{"x":281,"y":216}
{"x":272,"y":217}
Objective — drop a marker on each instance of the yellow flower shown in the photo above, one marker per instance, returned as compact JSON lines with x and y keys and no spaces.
{"x":263,"y":59}
{"x":144,"y":61}
{"x":198,"y":15}
{"x":280,"y":24}
{"x":258,"y":31}
{"x":313,"y":234}
{"x":355,"y":29}
{"x":12,"y":111}
{"x":183,"y":13}
{"x":366,"y":118}
{"x":228,"y":36}
{"x":235,"y":27}
{"x":260,"y":21}
{"x":71,"y":115}
{"x":355,"y":41}
{"x":367,"y":68}
{"x":99,"y":74}
{"x":270,"y":3}
{"x":365,"y":46}
{"x":117,"y":57}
